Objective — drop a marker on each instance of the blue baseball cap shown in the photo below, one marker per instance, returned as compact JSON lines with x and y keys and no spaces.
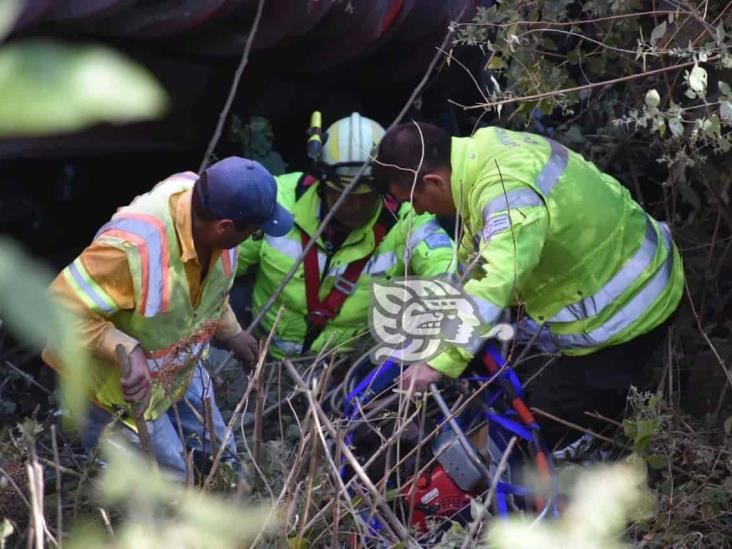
{"x":244,"y":191}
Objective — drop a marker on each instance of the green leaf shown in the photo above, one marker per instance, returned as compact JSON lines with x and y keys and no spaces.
{"x":639,"y":431}
{"x":495,"y":63}
{"x":698,"y":80}
{"x":6,"y":530}
{"x":711,"y":126}
{"x":629,"y":428}
{"x":298,"y":543}
{"x":660,"y":126}
{"x":33,"y":318}
{"x":676,"y":126}
{"x":724,"y":88}
{"x":725,"y":111}
{"x":657,"y":33}
{"x":657,"y":461}
{"x":48,"y":87}
{"x":653,"y":99}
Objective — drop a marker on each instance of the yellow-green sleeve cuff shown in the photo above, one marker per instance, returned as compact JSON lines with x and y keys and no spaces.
{"x":451,"y":362}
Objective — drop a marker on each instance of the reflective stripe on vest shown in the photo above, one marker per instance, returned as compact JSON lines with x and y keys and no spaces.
{"x":554,"y":168}
{"x":149,"y":236}
{"x":228,"y":259}
{"x":653,"y":289}
{"x":623,"y":279}
{"x":90,"y":292}
{"x":376,"y":265}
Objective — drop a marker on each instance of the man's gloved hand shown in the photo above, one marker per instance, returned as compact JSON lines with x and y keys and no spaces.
{"x":136,"y":384}
{"x":245,"y":348}
{"x":418,"y":377}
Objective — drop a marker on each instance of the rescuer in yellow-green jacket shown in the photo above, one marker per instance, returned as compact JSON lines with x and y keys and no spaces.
{"x":326,"y":304}
{"x":543,"y":228}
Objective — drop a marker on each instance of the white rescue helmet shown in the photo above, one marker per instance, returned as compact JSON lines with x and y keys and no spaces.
{"x":351,"y":142}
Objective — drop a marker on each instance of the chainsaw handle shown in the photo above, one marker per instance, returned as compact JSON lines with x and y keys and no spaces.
{"x":464,"y":442}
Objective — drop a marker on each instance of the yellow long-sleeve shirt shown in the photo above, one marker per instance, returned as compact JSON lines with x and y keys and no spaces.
{"x":108,"y":267}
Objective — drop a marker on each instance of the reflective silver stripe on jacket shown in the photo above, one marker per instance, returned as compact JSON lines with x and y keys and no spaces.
{"x":554,"y":167}
{"x":287,"y":347}
{"x":489,"y":312}
{"x":420,"y":234}
{"x":523,"y":198}
{"x":518,"y":198}
{"x":631,"y":311}
{"x":623,"y":279}
{"x":291,"y":248}
{"x":380,"y":263}
{"x":377,"y":264}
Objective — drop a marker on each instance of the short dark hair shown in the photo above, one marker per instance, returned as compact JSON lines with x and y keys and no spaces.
{"x":199,"y":209}
{"x":400,"y":152}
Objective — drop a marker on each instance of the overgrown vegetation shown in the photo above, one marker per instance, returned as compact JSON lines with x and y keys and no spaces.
{"x":643,"y":88}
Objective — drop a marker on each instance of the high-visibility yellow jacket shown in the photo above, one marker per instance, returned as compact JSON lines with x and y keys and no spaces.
{"x":543,"y":227}
{"x":415,"y":243}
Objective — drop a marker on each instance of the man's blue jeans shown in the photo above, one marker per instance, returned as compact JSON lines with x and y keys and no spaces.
{"x":164,"y":431}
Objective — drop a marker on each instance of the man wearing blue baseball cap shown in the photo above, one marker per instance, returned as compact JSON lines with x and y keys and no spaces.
{"x":150,"y":292}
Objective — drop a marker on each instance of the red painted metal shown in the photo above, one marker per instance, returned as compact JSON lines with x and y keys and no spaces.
{"x":434,"y":494}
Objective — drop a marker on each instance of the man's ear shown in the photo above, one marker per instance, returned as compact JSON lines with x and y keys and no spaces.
{"x":224,"y":226}
{"x":437,"y":180}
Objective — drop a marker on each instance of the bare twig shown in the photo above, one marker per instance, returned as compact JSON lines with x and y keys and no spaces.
{"x":705,"y":336}
{"x":59,"y":506}
{"x":107,"y":523}
{"x":258,"y":409}
{"x":321,"y":418}
{"x":474,"y":534}
{"x":575,"y":22}
{"x":29,"y":378}
{"x":234,"y":86}
{"x":603,"y":418}
{"x":581,"y":429}
{"x":564,"y":91}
